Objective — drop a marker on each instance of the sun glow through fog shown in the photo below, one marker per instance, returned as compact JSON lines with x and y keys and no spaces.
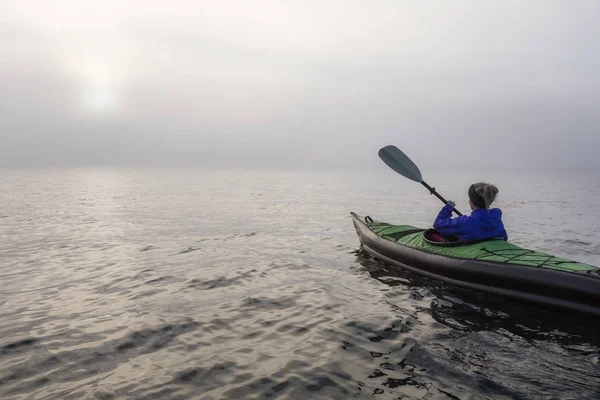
{"x":100,"y":84}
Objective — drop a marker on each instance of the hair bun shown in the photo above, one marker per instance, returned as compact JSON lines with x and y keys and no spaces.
{"x":487,"y":191}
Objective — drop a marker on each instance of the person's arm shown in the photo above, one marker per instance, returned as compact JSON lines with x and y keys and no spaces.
{"x":504,"y":234}
{"x":446,"y":225}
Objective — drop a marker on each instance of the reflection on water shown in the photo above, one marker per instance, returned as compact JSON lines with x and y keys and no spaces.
{"x":520,"y":345}
{"x":469,"y":310}
{"x":247,"y":285}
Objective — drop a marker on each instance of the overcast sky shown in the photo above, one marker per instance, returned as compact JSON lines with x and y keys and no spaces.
{"x":456,"y":84}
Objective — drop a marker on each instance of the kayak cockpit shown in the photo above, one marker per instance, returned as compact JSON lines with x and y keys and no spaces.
{"x":435,"y":238}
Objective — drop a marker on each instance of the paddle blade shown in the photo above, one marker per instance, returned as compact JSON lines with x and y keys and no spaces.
{"x":399,"y":162}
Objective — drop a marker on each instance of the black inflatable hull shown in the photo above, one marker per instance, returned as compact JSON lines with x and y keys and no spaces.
{"x":557,"y":290}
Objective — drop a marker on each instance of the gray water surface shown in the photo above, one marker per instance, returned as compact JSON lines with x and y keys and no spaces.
{"x":182,"y":284}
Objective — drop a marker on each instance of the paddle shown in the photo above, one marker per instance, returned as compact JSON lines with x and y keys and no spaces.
{"x":399,"y":162}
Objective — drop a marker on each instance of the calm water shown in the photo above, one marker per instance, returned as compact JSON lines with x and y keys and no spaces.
{"x":182,"y":284}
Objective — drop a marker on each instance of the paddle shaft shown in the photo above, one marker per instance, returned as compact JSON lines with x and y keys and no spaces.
{"x":436,"y":194}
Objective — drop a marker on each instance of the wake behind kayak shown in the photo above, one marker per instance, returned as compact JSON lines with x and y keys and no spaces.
{"x":496,"y":266}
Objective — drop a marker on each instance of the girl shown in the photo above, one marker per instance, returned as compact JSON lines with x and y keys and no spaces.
{"x":483,"y":223}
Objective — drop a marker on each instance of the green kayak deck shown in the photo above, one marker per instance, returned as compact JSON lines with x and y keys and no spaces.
{"x":492,"y":250}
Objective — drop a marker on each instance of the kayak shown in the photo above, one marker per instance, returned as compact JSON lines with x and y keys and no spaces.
{"x":493,"y":266}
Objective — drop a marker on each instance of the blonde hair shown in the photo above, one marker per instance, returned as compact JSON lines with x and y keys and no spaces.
{"x":487,"y":192}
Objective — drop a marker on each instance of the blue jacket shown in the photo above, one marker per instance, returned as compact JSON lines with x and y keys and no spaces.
{"x":481,"y":224}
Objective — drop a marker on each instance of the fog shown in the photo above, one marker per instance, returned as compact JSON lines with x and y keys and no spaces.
{"x":300,"y":84}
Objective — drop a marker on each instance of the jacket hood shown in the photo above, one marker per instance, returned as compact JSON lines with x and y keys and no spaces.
{"x":489,"y":220}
